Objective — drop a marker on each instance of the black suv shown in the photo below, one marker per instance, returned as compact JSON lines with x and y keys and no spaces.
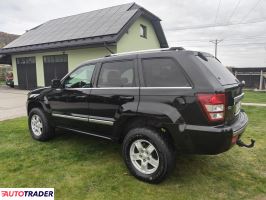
{"x":156,"y":103}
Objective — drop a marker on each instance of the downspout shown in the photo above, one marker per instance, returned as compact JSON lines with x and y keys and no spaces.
{"x":105,"y":45}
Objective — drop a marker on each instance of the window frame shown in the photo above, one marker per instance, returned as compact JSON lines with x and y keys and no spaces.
{"x":83,"y":65}
{"x":145,"y":31}
{"x":135,"y":72}
{"x":26,"y":60}
{"x":54,"y":58}
{"x":142,"y":78}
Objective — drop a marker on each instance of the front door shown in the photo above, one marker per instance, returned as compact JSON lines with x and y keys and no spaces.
{"x":116,"y":92}
{"x":69,"y":104}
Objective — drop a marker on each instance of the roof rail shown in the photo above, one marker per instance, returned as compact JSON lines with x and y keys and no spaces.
{"x":148,"y":50}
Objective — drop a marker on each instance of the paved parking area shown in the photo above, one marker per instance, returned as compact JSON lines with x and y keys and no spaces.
{"x":12,"y":103}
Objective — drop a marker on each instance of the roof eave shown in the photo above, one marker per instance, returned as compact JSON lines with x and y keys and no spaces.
{"x":64,"y":45}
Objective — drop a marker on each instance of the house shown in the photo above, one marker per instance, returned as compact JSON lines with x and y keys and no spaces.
{"x":58,"y":46}
{"x":254,"y":77}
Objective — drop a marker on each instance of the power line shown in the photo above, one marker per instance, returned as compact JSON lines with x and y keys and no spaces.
{"x":217,"y":11}
{"x":212,"y":26}
{"x":234,"y":44}
{"x":250,"y":11}
{"x":230,"y":39}
{"x":242,"y":20}
{"x":247,"y":37}
{"x":247,"y":43}
{"x":232,"y":14}
{"x":230,"y":17}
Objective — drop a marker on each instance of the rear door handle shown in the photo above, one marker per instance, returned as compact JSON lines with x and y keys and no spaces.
{"x":81,"y":97}
{"x":126,"y":98}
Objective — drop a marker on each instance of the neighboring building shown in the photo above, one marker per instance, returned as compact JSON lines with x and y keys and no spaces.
{"x":3,"y":71}
{"x":55,"y":47}
{"x":254,"y":77}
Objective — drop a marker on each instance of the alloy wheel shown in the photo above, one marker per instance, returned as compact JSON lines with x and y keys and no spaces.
{"x":36,"y":125}
{"x":144,"y":156}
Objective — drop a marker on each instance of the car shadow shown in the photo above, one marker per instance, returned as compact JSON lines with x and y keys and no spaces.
{"x":187,"y":165}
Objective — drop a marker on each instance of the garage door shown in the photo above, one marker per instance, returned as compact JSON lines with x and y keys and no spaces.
{"x":55,"y":67}
{"x":26,"y":71}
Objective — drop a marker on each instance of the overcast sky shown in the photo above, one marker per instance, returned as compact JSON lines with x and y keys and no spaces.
{"x":243,"y":45}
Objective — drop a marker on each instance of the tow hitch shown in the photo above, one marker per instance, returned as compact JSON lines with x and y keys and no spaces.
{"x":242,"y":144}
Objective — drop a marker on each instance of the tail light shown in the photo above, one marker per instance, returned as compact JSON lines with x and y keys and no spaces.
{"x":213,"y":106}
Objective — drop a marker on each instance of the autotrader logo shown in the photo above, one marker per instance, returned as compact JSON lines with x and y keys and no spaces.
{"x":26,"y":193}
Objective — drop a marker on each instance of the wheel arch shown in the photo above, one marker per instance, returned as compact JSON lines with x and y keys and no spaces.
{"x":33,"y":104}
{"x":37,"y":104}
{"x":151,"y":114}
{"x":122,"y":127}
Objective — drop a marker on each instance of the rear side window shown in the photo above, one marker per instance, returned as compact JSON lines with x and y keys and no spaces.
{"x":117,"y":74}
{"x":224,"y":76}
{"x":163,"y":72}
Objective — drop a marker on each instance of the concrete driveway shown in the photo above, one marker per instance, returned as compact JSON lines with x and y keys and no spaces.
{"x":12,"y":103}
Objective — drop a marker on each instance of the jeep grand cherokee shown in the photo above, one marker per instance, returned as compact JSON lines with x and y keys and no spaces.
{"x":154,"y":102}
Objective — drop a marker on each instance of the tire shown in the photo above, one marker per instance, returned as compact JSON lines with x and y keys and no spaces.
{"x":157,"y":163}
{"x":39,"y":127}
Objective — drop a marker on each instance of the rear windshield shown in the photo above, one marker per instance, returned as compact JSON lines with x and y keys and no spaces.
{"x":224,"y":76}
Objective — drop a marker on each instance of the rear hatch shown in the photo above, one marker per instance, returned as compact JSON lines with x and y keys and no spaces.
{"x":233,"y":88}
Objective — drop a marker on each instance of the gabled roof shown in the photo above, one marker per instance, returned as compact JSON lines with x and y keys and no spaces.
{"x":104,"y":26}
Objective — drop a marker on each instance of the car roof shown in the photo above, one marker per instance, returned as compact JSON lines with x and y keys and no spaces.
{"x":133,"y":54}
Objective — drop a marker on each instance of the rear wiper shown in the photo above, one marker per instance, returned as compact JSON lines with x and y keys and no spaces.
{"x":202,"y":56}
{"x":217,"y":59}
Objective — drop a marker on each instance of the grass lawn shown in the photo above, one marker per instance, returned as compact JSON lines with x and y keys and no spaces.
{"x":254,"y":97}
{"x":84,"y":167}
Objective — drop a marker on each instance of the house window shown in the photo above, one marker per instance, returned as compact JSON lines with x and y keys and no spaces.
{"x":55,"y":59}
{"x":143,"y":31}
{"x":26,"y":60}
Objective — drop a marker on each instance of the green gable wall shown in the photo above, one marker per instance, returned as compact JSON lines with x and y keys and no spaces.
{"x":132,"y":41}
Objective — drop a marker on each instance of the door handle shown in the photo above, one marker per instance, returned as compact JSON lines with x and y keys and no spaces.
{"x":81,"y":97}
{"x":126,"y":98}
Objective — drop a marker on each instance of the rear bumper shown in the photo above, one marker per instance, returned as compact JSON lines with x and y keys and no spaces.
{"x":211,"y":140}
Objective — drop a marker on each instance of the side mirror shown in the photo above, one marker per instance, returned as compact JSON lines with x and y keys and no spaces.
{"x":242,"y":84}
{"x":55,"y":83}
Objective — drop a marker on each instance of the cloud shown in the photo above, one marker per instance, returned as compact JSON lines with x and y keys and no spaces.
{"x":17,"y":16}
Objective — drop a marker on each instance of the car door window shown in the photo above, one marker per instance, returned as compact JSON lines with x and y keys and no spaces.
{"x":163,"y":72}
{"x":80,"y":78}
{"x":117,"y":74}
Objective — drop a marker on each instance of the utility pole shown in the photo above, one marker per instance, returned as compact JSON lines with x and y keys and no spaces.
{"x":216,"y":42}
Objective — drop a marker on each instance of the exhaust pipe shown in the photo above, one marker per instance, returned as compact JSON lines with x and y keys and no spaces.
{"x":242,"y":144}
